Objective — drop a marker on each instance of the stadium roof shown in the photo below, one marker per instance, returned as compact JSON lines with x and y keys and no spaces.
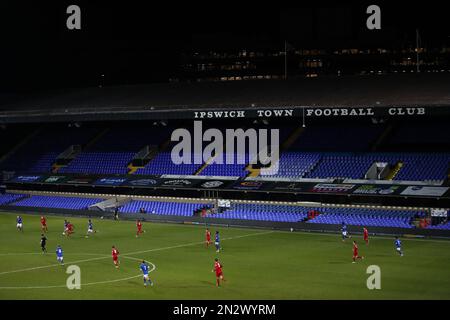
{"x":428,"y":90}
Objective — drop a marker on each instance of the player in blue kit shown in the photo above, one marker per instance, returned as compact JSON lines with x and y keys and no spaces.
{"x":59,"y":254}
{"x":398,"y":246}
{"x":145,"y":270}
{"x":217,"y":241}
{"x":345,"y":234}
{"x":90,"y":229}
{"x":19,"y":223}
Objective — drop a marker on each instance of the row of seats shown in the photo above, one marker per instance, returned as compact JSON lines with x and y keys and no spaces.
{"x":161,"y":208}
{"x":163,"y":164}
{"x":57,"y":202}
{"x":294,"y":164}
{"x":9,"y":198}
{"x":327,"y":215}
{"x":100,"y":162}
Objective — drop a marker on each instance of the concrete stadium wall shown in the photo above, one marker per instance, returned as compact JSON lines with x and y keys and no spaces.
{"x":284,"y":226}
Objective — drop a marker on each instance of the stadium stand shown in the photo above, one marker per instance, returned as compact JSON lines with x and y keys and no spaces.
{"x":367,"y":217}
{"x":326,"y":215}
{"x":316,"y":152}
{"x":58,"y":202}
{"x":280,"y":213}
{"x":113,"y":152}
{"x":161,"y":208}
{"x":9,"y":198}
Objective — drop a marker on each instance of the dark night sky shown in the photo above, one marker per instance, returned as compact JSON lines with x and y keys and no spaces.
{"x":133,"y":42}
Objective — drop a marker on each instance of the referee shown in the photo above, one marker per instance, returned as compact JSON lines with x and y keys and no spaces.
{"x":43,"y":243}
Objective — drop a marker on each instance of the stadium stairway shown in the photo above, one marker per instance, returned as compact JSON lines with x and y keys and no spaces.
{"x":132,"y":169}
{"x":142,"y":158}
{"x":56,"y":167}
{"x":203,"y":167}
{"x":253,"y":172}
{"x":394,"y":171}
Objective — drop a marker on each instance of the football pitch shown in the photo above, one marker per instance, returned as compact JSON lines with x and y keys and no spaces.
{"x":257,"y":264}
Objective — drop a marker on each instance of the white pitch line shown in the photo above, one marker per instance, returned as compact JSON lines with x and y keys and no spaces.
{"x":40,"y":253}
{"x":89,"y":283}
{"x":133,"y":253}
{"x":197,"y":243}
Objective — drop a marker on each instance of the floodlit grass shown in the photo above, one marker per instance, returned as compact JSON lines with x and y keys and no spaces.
{"x":258,"y":264}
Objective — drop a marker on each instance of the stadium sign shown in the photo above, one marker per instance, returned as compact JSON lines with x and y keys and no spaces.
{"x":179,"y":182}
{"x":319,"y":112}
{"x":27,"y":179}
{"x":55,"y":179}
{"x":377,"y":189}
{"x":221,"y":183}
{"x":290,"y":186}
{"x":332,"y":188}
{"x":110,"y":181}
{"x":425,"y":191}
{"x":363,"y":112}
{"x":316,"y":112}
{"x":212,"y":184}
{"x":86,"y":181}
{"x":443,"y":213}
{"x":249,"y":185}
{"x":263,"y":113}
{"x":142,"y":182}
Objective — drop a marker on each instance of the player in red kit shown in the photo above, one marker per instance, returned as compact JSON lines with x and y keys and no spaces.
{"x":355,"y":252}
{"x":218,"y":270}
{"x":115,"y":256}
{"x":366,"y":235}
{"x":44,"y":224}
{"x":139,"y":228}
{"x":208,"y":238}
{"x":69,"y":229}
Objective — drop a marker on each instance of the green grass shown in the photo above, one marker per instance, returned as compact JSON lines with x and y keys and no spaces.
{"x":258,"y":264}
